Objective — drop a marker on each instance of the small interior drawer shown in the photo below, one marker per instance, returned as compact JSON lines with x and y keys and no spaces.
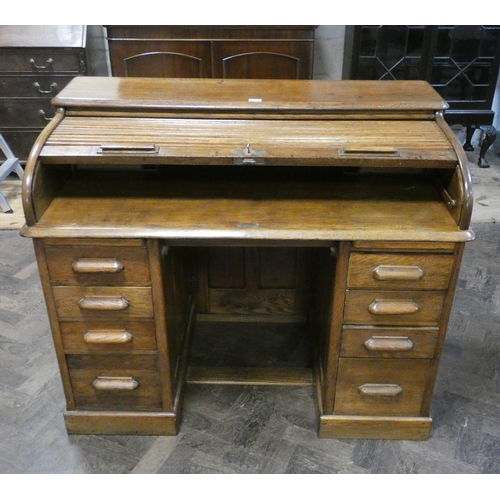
{"x":115,"y":382}
{"x":388,"y":342}
{"x":97,"y":264}
{"x":108,"y":336}
{"x":381,"y":386}
{"x":399,"y":271}
{"x":103,"y":302}
{"x":375,"y":307}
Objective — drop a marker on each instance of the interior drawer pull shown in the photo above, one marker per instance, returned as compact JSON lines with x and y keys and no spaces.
{"x":103,"y":303}
{"x":380,"y":390}
{"x":387,"y":343}
{"x":97,"y":266}
{"x":398,"y":273}
{"x":375,"y":152}
{"x":115,"y":384}
{"x":384,"y":306}
{"x":107,"y":337}
{"x":128,"y":149}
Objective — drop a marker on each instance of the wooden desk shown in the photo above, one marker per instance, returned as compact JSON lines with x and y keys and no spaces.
{"x":137,"y":182}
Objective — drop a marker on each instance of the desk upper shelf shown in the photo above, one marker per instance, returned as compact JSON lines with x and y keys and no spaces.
{"x":257,"y":97}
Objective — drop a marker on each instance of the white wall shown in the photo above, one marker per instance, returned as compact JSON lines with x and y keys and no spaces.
{"x":329,"y":52}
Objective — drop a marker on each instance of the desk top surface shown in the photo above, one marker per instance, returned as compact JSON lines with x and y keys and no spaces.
{"x":255,"y":96}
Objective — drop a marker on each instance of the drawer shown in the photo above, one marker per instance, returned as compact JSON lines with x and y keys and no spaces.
{"x":26,"y":112}
{"x":115,"y":382}
{"x":103,"y":302}
{"x":105,"y":336}
{"x":34,"y":86}
{"x":393,"y":308}
{"x":21,"y":141}
{"x":381,"y":386}
{"x":388,"y":342}
{"x":97,"y":264}
{"x":41,"y":61}
{"x":399,"y":271}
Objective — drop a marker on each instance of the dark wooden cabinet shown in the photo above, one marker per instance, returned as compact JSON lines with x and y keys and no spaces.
{"x":460,"y":62}
{"x":212,"y":51}
{"x":36,"y":62}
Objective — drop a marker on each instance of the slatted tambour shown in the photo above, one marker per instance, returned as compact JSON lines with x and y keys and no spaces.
{"x":293,"y":142}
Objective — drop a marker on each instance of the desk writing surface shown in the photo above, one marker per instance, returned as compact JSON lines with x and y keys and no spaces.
{"x":407,"y":207}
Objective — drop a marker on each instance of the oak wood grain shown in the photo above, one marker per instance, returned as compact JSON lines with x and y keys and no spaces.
{"x":216,"y":95}
{"x":278,"y":209}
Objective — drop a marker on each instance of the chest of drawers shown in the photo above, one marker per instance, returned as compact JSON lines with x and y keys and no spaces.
{"x":37,"y":62}
{"x":135,"y":179}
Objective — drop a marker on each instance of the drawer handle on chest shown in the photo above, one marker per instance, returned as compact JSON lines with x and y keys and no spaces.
{"x":53,"y":87}
{"x":44,"y":116}
{"x":384,"y":306}
{"x":102,"y":303}
{"x":398,"y":273}
{"x":382,"y":343}
{"x":97,"y":266}
{"x":107,"y":337}
{"x":115,"y":384}
{"x":380,"y":390}
{"x":48,"y":63}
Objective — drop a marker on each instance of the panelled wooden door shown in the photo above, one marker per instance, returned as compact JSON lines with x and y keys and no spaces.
{"x":274,"y":60}
{"x":271,"y":281}
{"x":161,"y":59}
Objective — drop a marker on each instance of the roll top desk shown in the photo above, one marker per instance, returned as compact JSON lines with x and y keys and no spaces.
{"x":157,"y":204}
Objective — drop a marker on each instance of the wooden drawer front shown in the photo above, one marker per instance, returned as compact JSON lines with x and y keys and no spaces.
{"x":392,"y":308}
{"x":380,"y":386}
{"x":104,"y":336}
{"x":395,"y":342}
{"x":33,"y":86}
{"x":115,"y":382}
{"x":399,"y":272}
{"x":41,"y":61}
{"x":26,"y":113}
{"x":108,"y":303}
{"x":20,"y":141}
{"x":95,"y":264}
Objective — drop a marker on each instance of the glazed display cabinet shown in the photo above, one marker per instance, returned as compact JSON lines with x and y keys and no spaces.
{"x":460,"y":62}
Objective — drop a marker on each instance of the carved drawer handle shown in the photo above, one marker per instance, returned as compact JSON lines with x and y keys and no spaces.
{"x":107,"y":337}
{"x":115,"y":384}
{"x":391,"y":344}
{"x":48,"y":63}
{"x":383,"y":306}
{"x":380,"y":390}
{"x":102,"y":303}
{"x":53,"y":87}
{"x":398,"y":273}
{"x":97,"y":266}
